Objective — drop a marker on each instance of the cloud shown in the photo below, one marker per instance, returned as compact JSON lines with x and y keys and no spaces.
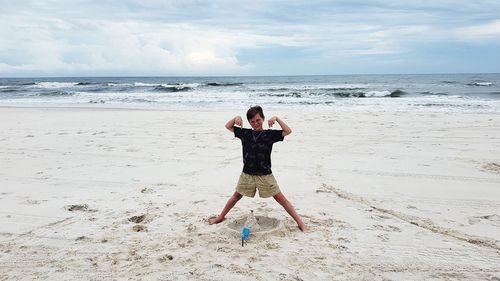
{"x":489,"y":30}
{"x":113,"y":46}
{"x":193,"y":37}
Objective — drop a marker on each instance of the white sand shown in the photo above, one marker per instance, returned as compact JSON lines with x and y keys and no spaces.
{"x":398,"y":196}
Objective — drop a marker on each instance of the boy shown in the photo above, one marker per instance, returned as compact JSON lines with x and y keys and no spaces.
{"x":257,"y":146}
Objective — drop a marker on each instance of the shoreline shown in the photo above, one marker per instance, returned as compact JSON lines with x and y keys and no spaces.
{"x":242,"y":110}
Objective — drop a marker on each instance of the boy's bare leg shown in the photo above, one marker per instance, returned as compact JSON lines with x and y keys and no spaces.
{"x":291,"y":211}
{"x":229,"y":205}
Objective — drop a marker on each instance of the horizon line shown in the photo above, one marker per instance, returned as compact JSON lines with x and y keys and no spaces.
{"x":221,"y":76}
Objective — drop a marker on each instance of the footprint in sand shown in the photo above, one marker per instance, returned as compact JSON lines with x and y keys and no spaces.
{"x":492,"y":167}
{"x":139,"y":228}
{"x":165,"y":258}
{"x":271,"y":245}
{"x":144,"y":218}
{"x":137,"y":219}
{"x":325,"y":189}
{"x":33,"y":202}
{"x":79,"y":207}
{"x":494,"y":219}
{"x":83,"y":238}
{"x":380,"y":217}
{"x":383,"y":237}
{"x":147,"y":190}
{"x":339,"y":247}
{"x":327,"y":222}
{"x":388,"y":228}
{"x":343,"y":240}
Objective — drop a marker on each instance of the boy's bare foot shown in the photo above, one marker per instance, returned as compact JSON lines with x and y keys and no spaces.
{"x":214,"y":220}
{"x":304,"y":228}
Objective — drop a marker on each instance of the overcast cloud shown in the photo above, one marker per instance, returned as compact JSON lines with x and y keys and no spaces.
{"x":114,"y":38}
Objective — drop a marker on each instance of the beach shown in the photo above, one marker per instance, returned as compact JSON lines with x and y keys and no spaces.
{"x":124,"y":194}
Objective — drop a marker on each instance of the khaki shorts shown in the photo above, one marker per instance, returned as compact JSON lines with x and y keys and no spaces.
{"x":248,"y":185}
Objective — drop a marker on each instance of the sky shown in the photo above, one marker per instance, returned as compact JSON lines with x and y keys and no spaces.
{"x":259,"y":37}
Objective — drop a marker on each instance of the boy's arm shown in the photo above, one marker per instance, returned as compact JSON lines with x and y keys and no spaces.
{"x":234,"y":121}
{"x":283,"y":125}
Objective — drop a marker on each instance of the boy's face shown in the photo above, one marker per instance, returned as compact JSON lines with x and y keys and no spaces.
{"x":256,"y":122}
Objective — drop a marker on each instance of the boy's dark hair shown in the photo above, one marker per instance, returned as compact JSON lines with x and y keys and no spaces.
{"x":254,"y":110}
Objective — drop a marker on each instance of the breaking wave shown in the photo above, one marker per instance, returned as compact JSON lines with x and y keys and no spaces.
{"x":55,"y":94}
{"x":335,"y":92}
{"x":161,"y":88}
{"x":224,"y":84}
{"x":480,"y":84}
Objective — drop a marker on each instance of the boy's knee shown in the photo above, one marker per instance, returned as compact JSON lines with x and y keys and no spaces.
{"x":237,"y":196}
{"x":281,"y":199}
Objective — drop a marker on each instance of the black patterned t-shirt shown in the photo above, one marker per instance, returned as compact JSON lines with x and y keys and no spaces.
{"x":257,"y":147}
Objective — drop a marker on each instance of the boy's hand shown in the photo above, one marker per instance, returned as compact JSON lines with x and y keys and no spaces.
{"x":271,"y":121}
{"x":238,"y":121}
{"x":283,"y":125}
{"x":234,"y":121}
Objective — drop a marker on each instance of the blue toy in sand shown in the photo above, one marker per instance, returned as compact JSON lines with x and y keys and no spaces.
{"x":245,"y":232}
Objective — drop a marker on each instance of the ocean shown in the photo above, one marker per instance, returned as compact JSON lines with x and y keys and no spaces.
{"x":429,"y":92}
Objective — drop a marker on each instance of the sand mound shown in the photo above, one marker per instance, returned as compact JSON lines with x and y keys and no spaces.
{"x":267,"y":225}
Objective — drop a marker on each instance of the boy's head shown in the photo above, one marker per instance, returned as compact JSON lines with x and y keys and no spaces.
{"x":254,"y":110}
{"x":255,"y":116}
